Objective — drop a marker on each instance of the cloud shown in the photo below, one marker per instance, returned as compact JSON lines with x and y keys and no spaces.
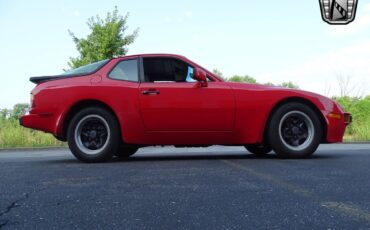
{"x":197,"y":38}
{"x":188,"y":13}
{"x":367,"y":7}
{"x":76,"y":13}
{"x":318,"y":73}
{"x":167,"y":19}
{"x":179,"y":18}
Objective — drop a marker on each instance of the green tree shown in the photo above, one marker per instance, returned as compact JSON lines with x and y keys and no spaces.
{"x":4,"y":113}
{"x":18,"y":110}
{"x":269,"y":84}
{"x":243,"y":79}
{"x":218,"y":73}
{"x":346,"y":102}
{"x":289,"y":84}
{"x":106,"y":40}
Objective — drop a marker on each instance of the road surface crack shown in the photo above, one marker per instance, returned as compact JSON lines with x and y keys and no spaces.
{"x":15,"y":204}
{"x":12,"y":205}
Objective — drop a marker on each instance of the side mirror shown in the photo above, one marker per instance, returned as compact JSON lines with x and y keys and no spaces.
{"x":200,"y":76}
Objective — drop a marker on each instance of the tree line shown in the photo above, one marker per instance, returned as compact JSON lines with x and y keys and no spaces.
{"x":15,"y":113}
{"x":252,"y":80}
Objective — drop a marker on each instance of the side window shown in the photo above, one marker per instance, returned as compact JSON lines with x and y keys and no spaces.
{"x":167,"y":70}
{"x":125,"y":70}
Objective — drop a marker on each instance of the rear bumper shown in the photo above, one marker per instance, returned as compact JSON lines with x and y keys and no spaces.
{"x":44,"y":122}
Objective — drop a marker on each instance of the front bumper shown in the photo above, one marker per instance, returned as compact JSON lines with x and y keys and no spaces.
{"x":347,"y":118}
{"x":336,"y":126}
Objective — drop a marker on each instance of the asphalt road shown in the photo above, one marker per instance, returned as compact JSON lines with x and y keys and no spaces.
{"x":188,"y":188}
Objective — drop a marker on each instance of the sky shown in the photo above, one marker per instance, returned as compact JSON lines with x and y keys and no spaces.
{"x":272,"y":41}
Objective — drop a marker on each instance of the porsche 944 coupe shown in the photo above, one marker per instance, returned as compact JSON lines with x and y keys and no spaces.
{"x":114,"y":107}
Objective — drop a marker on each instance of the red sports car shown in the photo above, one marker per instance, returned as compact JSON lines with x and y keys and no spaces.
{"x":114,"y":107}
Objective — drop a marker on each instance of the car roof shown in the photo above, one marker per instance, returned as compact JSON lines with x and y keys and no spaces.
{"x":152,"y":55}
{"x":167,"y":55}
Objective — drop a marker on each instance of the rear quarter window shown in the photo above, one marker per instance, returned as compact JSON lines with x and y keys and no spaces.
{"x":126,"y":70}
{"x":86,"y":69}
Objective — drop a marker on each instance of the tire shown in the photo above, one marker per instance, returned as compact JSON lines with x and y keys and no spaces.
{"x":125,"y":151}
{"x":294,"y":131}
{"x":93,"y":135}
{"x":258,"y":149}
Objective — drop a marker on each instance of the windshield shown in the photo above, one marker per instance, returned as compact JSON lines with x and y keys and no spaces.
{"x":86,"y":69}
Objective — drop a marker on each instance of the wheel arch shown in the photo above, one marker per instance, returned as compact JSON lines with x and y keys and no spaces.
{"x":297,"y":100}
{"x":76,"y":107}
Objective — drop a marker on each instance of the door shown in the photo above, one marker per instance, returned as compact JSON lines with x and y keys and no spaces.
{"x":171,"y":101}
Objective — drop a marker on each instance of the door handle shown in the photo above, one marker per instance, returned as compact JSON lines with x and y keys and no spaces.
{"x":150,"y":92}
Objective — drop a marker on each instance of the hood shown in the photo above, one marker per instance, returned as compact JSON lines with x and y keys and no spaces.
{"x":282,"y":92}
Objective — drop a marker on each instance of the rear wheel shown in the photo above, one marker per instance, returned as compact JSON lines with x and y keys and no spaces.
{"x":294,"y":131}
{"x":93,"y":135}
{"x":258,"y":149}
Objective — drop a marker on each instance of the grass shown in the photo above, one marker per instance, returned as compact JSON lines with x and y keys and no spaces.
{"x":13,"y":135}
{"x":358,"y":131}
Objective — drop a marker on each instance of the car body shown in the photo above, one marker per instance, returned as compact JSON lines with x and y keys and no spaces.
{"x":151,"y":109}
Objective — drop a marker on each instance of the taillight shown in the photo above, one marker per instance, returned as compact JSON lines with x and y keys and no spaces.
{"x":32,"y":102}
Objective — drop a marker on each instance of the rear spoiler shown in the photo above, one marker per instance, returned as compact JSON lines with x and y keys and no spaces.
{"x":38,"y":80}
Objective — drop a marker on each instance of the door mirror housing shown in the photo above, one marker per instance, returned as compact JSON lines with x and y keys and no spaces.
{"x":200,"y":76}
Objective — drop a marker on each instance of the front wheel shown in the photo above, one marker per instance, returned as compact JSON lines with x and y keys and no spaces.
{"x":93,"y":135}
{"x":294,"y":131}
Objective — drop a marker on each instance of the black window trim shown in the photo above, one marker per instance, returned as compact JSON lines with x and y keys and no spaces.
{"x":138,"y":70}
{"x":142,"y":77}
